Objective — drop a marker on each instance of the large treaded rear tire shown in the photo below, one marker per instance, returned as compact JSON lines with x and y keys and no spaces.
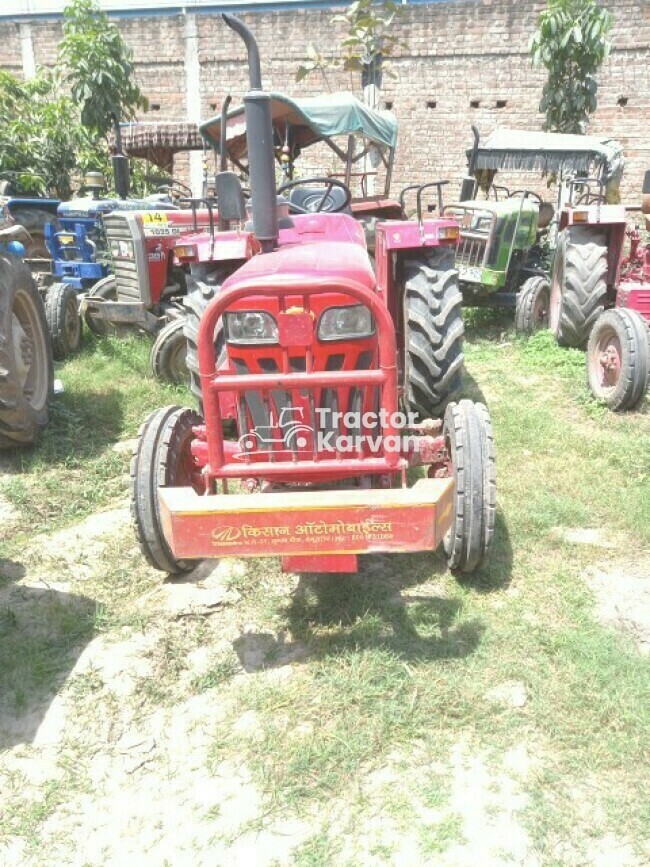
{"x":26,"y":382}
{"x":157,"y":462}
{"x":578,"y":285}
{"x":468,"y":432}
{"x":621,"y":336}
{"x":434,"y":331}
{"x":195,"y":303}
{"x":63,"y":320}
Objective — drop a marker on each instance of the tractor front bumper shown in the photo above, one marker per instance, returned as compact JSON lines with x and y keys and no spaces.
{"x":121,"y":312}
{"x":310,"y":530}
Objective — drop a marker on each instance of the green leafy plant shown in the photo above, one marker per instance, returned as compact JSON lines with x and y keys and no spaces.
{"x":367,"y":43}
{"x":571,"y":42}
{"x":39,"y":136}
{"x":97,"y":66}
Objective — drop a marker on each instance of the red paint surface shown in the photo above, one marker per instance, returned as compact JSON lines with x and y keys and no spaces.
{"x":261,"y":525}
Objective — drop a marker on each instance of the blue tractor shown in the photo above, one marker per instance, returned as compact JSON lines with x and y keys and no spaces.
{"x":80,"y":257}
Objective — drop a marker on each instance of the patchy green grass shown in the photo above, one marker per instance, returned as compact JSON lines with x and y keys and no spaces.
{"x":369,"y":694}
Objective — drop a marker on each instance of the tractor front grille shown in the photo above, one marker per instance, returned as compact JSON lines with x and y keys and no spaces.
{"x":261,"y":410}
{"x":126,"y":246}
{"x":471,"y":250}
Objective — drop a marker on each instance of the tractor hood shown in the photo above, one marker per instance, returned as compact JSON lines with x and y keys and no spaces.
{"x":322,"y":246}
{"x":92,"y":209}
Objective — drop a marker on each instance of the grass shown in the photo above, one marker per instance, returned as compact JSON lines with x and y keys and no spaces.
{"x":367,"y":693}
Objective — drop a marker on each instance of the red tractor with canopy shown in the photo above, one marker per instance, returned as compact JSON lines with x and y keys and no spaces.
{"x":308,"y":351}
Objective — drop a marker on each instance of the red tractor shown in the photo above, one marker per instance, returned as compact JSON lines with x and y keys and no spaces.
{"x":618,"y":352}
{"x":314,"y":358}
{"x":147,"y":287}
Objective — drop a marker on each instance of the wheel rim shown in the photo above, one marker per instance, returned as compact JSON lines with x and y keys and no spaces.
{"x":72,"y":323}
{"x":31,"y":354}
{"x":540,"y":311}
{"x":606,"y":359}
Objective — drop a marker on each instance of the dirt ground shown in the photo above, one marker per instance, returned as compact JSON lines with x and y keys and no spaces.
{"x":145,"y":792}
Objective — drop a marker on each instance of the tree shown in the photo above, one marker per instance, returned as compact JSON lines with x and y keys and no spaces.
{"x":571,"y":42}
{"x":366,"y":45}
{"x":39,"y":135}
{"x":98,"y":68}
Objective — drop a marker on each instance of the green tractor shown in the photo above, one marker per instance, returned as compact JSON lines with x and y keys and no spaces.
{"x":509,"y":239}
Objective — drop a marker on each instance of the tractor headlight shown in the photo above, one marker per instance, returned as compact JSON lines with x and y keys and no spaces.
{"x":343,"y":323}
{"x":251,"y":327}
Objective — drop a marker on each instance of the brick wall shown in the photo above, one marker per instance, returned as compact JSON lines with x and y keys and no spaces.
{"x":458,"y":54}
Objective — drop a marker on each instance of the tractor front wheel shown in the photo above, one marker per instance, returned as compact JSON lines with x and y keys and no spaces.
{"x":578,"y":285}
{"x":104,"y":290}
{"x":468,"y":433}
{"x":63,"y":320}
{"x":433,"y":325}
{"x":618,"y":359}
{"x":168,"y":354}
{"x":26,"y":369}
{"x":533,"y":300}
{"x":161,"y":459}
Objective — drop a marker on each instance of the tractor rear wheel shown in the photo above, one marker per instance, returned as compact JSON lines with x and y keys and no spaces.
{"x":433,"y":331}
{"x":168,"y":354}
{"x":35,"y":220}
{"x":533,"y":299}
{"x":618,"y":359}
{"x":104,"y":290}
{"x":196,"y":303}
{"x":161,"y":459}
{"x":468,"y":433}
{"x":578,"y":285}
{"x":26,"y":368}
{"x":63,"y":320}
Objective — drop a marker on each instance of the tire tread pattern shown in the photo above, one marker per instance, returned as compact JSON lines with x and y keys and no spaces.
{"x":434,"y":331}
{"x":585,"y":286}
{"x":20,"y":423}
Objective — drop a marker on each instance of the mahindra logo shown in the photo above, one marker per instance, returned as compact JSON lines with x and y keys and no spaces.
{"x":226,"y":534}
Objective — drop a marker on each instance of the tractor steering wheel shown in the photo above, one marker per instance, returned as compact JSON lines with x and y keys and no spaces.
{"x":320,"y":199}
{"x":176,"y":189}
{"x":527,"y":194}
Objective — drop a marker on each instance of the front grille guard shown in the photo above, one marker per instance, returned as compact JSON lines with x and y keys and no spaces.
{"x":474,"y":247}
{"x":384,"y":379}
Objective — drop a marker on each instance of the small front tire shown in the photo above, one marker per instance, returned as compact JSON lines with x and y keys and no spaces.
{"x":618,"y":359}
{"x":161,"y":459}
{"x":533,"y":301}
{"x":63,"y":320}
{"x":468,"y":433}
{"x":104,"y":290}
{"x":168,"y":354}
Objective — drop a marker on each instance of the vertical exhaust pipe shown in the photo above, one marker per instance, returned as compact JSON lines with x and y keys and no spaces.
{"x":259,"y":139}
{"x":468,"y":187}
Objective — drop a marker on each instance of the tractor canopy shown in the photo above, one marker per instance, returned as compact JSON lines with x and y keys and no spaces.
{"x":520,"y":150}
{"x":304,"y":122}
{"x":299,"y":123}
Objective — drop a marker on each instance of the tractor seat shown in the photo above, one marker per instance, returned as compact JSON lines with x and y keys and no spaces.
{"x":546,"y":214}
{"x":309,"y":197}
